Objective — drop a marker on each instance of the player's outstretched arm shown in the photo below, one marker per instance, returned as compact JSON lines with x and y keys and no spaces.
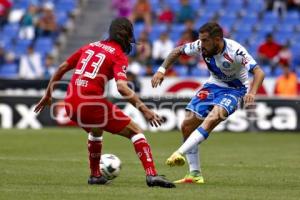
{"x":158,"y":77}
{"x":46,"y":99}
{"x":132,"y":98}
{"x":258,"y":77}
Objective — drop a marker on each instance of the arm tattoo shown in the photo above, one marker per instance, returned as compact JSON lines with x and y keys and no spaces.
{"x":172,"y":57}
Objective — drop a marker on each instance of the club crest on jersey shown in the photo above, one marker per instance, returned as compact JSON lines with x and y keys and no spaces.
{"x":203,"y":94}
{"x":226,"y":64}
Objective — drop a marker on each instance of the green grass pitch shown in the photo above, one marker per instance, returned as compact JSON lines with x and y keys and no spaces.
{"x":52,"y":164}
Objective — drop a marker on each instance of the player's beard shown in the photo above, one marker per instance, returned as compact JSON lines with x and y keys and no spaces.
{"x":213,"y":51}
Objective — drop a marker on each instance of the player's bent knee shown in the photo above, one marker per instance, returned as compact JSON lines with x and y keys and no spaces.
{"x":96,"y":132}
{"x":132,"y":126}
{"x":130,"y":130}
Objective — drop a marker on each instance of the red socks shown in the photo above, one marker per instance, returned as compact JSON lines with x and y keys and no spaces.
{"x":144,"y":153}
{"x":94,"y":149}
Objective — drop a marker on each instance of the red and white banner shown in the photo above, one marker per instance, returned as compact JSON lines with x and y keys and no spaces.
{"x":185,"y":87}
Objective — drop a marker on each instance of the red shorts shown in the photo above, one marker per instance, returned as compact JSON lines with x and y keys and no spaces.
{"x":98,"y":113}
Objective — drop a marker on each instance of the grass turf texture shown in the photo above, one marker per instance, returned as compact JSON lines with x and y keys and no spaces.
{"x":52,"y":164}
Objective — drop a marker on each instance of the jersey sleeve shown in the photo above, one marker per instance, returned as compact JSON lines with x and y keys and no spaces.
{"x":193,"y":48}
{"x":245,"y":59}
{"x":120,"y":67}
{"x":74,"y":58}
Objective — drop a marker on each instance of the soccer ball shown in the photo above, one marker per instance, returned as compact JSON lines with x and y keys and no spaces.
{"x":110,"y":166}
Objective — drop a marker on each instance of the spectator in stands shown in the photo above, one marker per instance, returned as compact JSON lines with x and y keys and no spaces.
{"x":49,"y":67}
{"x":143,"y":49}
{"x":133,"y":82}
{"x":148,"y":71}
{"x":188,"y":61}
{"x":280,"y":7}
{"x":31,"y":65}
{"x":142,"y":12}
{"x":5,"y":6}
{"x":161,"y":48}
{"x":134,"y":66}
{"x":287,"y":83}
{"x":166,"y":15}
{"x":293,"y":5}
{"x":268,"y":51}
{"x":284,"y":56}
{"x":47,"y":26}
{"x":28,"y":22}
{"x":9,"y":68}
{"x":190,"y":26}
{"x":122,"y":8}
{"x":185,"y":12}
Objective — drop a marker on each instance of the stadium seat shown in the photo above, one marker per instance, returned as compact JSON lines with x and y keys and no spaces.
{"x":227,"y":21}
{"x":243,"y":34}
{"x":61,"y":18}
{"x":283,"y":36}
{"x":214,"y":2}
{"x":278,"y":71}
{"x":234,"y":6}
{"x":9,"y":70}
{"x":212,"y":7}
{"x":295,"y":48}
{"x":270,"y":18}
{"x":21,"y":4}
{"x":11,"y":30}
{"x":65,"y":5}
{"x":175,"y":35}
{"x":21,"y":47}
{"x":255,"y":6}
{"x":267,"y":70}
{"x":44,"y":45}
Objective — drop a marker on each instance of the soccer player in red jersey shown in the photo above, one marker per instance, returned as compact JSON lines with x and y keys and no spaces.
{"x":95,"y":64}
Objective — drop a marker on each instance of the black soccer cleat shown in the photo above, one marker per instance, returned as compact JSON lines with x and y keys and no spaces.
{"x":158,"y":180}
{"x":101,"y":180}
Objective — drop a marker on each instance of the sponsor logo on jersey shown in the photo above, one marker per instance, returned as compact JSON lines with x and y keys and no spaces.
{"x":240,"y":53}
{"x":226,"y":64}
{"x":245,"y":61}
{"x":227,"y":57}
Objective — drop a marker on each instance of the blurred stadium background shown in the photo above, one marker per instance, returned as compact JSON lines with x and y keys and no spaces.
{"x":36,"y":35}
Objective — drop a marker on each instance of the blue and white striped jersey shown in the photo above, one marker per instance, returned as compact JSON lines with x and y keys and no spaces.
{"x":230,"y":67}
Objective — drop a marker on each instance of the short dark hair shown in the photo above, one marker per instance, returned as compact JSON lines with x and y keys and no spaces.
{"x":121,"y":31}
{"x":212,"y":28}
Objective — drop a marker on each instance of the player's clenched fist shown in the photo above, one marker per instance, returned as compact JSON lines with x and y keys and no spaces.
{"x":157,"y":79}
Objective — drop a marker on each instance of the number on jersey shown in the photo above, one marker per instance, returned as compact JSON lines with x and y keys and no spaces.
{"x":97,"y":61}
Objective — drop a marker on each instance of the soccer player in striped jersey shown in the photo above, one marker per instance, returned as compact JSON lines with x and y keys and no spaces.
{"x":229,"y":64}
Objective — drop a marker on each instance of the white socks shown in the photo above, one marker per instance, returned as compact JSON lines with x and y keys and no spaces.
{"x":194,"y":139}
{"x":93,"y":138}
{"x":193,"y":159}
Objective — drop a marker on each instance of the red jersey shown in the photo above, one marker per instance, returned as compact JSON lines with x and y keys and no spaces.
{"x":269,"y":49}
{"x":96,"y":64}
